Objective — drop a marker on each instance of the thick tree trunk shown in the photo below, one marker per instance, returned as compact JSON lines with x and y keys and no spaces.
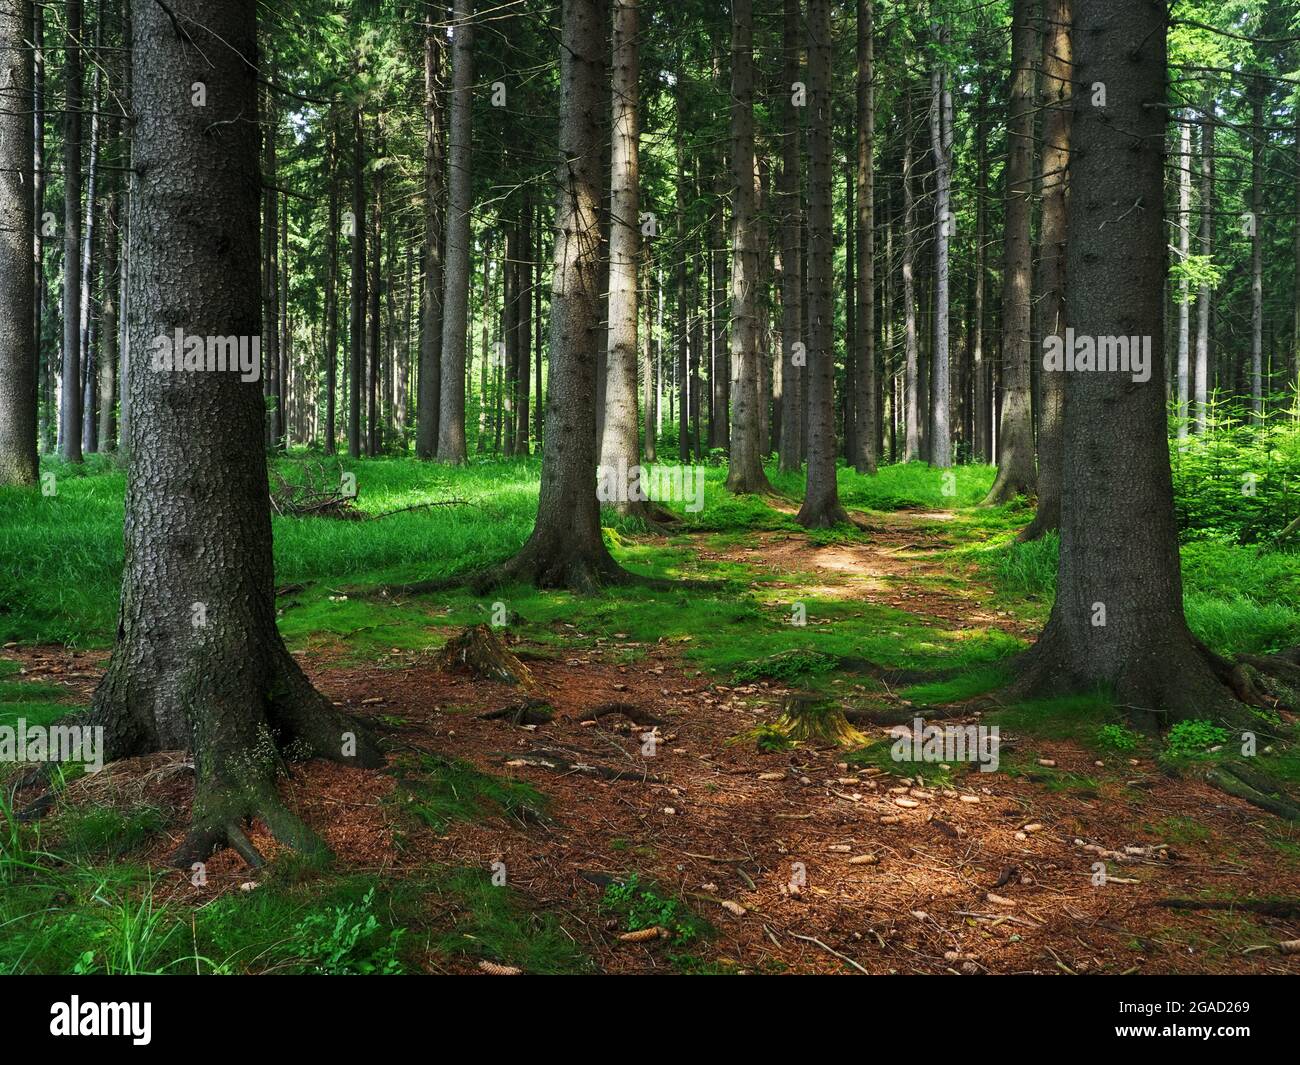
{"x":793,"y":345}
{"x":566,"y":548}
{"x":455,"y":300}
{"x":18,"y":350}
{"x":70,"y":405}
{"x":198,"y":662}
{"x":1117,"y":624}
{"x":864,"y":438}
{"x":430,"y":373}
{"x":941,"y":147}
{"x":745,"y":473}
{"x":1058,"y":105}
{"x":821,"y":506}
{"x":1205,"y":296}
{"x":1016,"y":475}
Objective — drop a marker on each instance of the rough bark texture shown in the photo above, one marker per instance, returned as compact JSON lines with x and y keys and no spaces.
{"x":1182,"y":227}
{"x":357,"y":333}
{"x":1201,"y":374}
{"x":1058,"y":104}
{"x":455,"y":300}
{"x":1016,"y":475}
{"x":792,"y":375}
{"x":70,"y":407}
{"x":745,"y":472}
{"x":863,"y":456}
{"x":941,"y":149}
{"x":1257,"y":250}
{"x":620,"y":436}
{"x":566,"y":549}
{"x":821,"y":506}
{"x":198,"y":662}
{"x":332,"y":285}
{"x":1119,"y":549}
{"x":430,"y":365}
{"x":911,"y":354}
{"x":18,"y":358}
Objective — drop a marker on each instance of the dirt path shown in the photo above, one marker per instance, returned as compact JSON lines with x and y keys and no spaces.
{"x":800,"y":863}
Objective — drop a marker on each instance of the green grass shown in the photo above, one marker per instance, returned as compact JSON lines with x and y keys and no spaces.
{"x":439,"y":790}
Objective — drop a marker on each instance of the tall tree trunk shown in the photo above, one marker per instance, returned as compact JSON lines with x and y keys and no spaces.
{"x":70,"y":406}
{"x":620,"y":461}
{"x":745,"y":473}
{"x":941,"y":146}
{"x":1205,"y":296}
{"x":510,"y":331}
{"x":331,"y":283}
{"x":38,"y":208}
{"x":357,"y":329}
{"x":683,"y":319}
{"x":271,"y":294}
{"x":374,"y":293}
{"x":566,"y":548}
{"x":455,"y":300}
{"x":18,"y":350}
{"x":821,"y":506}
{"x":980,"y":397}
{"x":89,"y":232}
{"x":430,"y":373}
{"x":524,"y":321}
{"x":911,"y":370}
{"x":198,"y":662}
{"x":106,"y":377}
{"x":792,"y":343}
{"x":1016,"y":474}
{"x":1058,"y":105}
{"x":1183,"y":226}
{"x":864,"y":452}
{"x":1257,"y":251}
{"x":1117,"y":625}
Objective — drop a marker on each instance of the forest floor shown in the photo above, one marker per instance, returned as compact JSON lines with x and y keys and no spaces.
{"x":804,"y":858}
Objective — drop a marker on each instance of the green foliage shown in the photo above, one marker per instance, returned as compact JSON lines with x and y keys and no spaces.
{"x":106,"y":831}
{"x":1117,"y":738}
{"x":642,"y":906}
{"x":439,"y":791}
{"x":788,"y":667}
{"x":347,"y":940}
{"x":1189,"y":739}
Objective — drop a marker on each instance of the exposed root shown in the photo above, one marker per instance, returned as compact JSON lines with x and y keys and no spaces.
{"x":1268,"y":907}
{"x":1254,"y":788}
{"x":631,"y":711}
{"x":523,"y":712}
{"x":560,"y":764}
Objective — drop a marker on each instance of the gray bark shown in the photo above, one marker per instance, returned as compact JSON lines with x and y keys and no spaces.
{"x":455,"y":300}
{"x":821,"y":506}
{"x":70,"y":407}
{"x":18,"y":351}
{"x":198,"y":527}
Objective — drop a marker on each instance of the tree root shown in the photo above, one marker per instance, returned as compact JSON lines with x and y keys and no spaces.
{"x":546,"y":760}
{"x":523,"y":712}
{"x":637,"y":715}
{"x":1254,"y":788}
{"x":1268,"y":907}
{"x":219,"y":817}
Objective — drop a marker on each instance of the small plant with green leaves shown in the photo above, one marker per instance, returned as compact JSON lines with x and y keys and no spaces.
{"x":1116,"y":738}
{"x":1193,"y":739}
{"x":348,"y":940}
{"x":641,"y":906}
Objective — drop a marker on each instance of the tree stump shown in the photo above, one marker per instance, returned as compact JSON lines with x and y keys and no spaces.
{"x":483,"y":654}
